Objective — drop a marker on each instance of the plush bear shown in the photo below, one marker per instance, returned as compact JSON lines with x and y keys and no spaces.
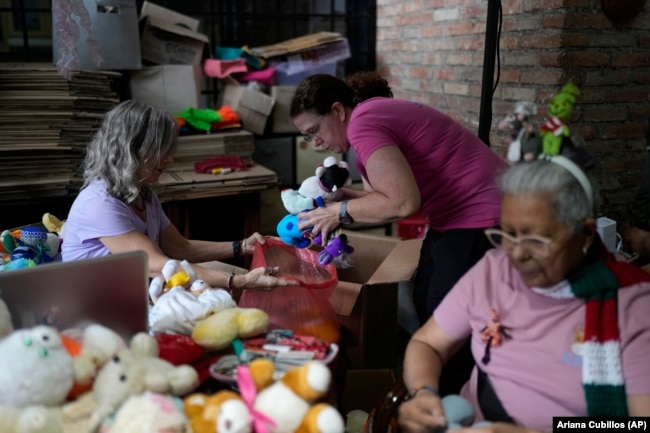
{"x":30,"y":358}
{"x":131,"y":372}
{"x":284,"y":406}
{"x":218,"y":330}
{"x":324,"y":186}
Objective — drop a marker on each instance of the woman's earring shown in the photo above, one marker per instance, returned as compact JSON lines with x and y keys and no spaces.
{"x":584,"y":250}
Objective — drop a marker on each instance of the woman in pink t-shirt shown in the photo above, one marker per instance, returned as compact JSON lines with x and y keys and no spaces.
{"x":558,"y":325}
{"x":411,"y":158}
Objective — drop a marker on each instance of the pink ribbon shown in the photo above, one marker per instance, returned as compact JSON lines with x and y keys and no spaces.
{"x":248,"y":393}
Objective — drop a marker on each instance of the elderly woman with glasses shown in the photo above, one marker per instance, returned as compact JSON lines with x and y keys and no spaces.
{"x":559,"y":327}
{"x":411,"y":158}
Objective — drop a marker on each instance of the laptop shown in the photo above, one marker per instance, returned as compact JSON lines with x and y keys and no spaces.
{"x":110,"y":290}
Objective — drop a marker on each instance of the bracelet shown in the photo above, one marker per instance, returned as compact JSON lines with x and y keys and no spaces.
{"x":236,"y":248}
{"x":229,"y":285}
{"x":427,"y":388}
{"x":243,"y":247}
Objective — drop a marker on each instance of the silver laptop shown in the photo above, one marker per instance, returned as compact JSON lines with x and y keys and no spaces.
{"x":110,"y":290}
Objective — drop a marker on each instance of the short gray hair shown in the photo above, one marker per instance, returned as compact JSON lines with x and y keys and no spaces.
{"x":567,"y":196}
{"x":131,"y":134}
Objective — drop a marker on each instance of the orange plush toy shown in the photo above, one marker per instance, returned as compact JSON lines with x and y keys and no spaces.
{"x":284,"y":406}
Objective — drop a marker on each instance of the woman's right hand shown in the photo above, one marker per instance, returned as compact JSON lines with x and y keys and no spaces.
{"x":262,"y":278}
{"x":421,"y":414}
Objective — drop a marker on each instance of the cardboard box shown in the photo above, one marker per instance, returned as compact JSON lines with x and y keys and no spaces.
{"x":168,"y":37}
{"x":171,"y":88}
{"x":254,"y":108}
{"x":281,"y":120}
{"x":366,"y":297}
{"x":114,"y":26}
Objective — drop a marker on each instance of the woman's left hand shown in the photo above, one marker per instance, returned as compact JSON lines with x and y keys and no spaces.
{"x":323,"y":220}
{"x":248,"y":244}
{"x":264,"y":278}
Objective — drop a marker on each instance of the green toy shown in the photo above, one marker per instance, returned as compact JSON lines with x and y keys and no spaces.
{"x":554,"y":130}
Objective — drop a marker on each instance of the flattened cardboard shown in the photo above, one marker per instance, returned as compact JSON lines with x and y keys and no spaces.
{"x":172,"y":88}
{"x":296,"y":45}
{"x":169,"y":15}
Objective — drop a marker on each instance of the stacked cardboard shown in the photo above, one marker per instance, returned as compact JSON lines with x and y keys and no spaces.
{"x":192,"y":148}
{"x":46,"y":122}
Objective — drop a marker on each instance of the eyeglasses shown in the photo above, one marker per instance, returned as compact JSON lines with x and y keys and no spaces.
{"x":312,"y":132}
{"x":536,"y":246}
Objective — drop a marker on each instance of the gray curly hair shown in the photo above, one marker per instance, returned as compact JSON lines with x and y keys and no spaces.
{"x":132,"y":135}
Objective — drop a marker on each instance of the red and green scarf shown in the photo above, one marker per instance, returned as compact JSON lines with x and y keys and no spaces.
{"x":602,"y":374}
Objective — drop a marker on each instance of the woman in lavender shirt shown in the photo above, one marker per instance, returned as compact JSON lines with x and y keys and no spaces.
{"x":117,"y":210}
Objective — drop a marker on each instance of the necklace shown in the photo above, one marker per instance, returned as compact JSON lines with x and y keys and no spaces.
{"x":140,"y":208}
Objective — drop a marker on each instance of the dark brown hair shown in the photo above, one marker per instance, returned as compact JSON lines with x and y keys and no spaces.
{"x":317,"y":93}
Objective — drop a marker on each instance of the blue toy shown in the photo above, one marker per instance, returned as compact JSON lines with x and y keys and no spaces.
{"x":291,"y":234}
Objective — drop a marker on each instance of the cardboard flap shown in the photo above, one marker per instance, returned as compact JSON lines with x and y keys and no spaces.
{"x":175,"y":29}
{"x":400,"y":264}
{"x":257,"y":101}
{"x":150,"y":9}
{"x":296,"y":45}
{"x":344,"y":297}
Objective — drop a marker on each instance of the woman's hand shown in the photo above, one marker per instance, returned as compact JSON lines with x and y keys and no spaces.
{"x":262,"y":278}
{"x":248,"y":244}
{"x":323,"y":220}
{"x":421,"y":414}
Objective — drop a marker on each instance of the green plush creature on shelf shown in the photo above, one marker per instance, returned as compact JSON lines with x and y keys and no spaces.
{"x":555,"y":131}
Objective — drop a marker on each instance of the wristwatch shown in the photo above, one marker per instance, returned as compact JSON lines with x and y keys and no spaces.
{"x":344,"y":216}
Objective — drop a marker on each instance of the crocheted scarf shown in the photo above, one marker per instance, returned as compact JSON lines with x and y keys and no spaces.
{"x":602,"y":375}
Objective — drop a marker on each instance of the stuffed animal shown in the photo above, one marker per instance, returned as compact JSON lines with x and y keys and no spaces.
{"x":33,"y":244}
{"x":30,"y":358}
{"x":324,"y":186}
{"x":524,"y":144}
{"x":181,"y":301}
{"x":290,"y":233}
{"x":336,"y":249}
{"x":555,"y":131}
{"x":218,"y":330}
{"x":147,"y":413}
{"x":131,"y":372}
{"x":29,"y":419}
{"x":90,"y":348}
{"x":284,"y":406}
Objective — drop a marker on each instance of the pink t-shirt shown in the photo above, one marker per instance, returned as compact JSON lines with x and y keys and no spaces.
{"x":95,"y":214}
{"x":455,"y":171}
{"x":537,"y":373}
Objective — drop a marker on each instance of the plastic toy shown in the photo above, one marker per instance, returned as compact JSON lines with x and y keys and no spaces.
{"x":555,"y":131}
{"x":524,"y":144}
{"x":291,"y":234}
{"x":315,"y":190}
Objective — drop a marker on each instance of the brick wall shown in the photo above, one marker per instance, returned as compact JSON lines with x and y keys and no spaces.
{"x":432,"y":52}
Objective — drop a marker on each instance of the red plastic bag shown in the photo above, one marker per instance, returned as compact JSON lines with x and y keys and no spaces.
{"x":305,"y":309}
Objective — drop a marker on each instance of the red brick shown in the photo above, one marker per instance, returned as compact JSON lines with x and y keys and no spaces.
{"x":627,"y":94}
{"x":633,"y":60}
{"x":433,"y":30}
{"x":581,"y":58}
{"x":628,"y":130}
{"x":586,"y":21}
{"x":540,"y":41}
{"x":602,"y":77}
{"x":416,"y":72}
{"x":604,"y":113}
{"x":553,"y":21}
{"x":641,"y":77}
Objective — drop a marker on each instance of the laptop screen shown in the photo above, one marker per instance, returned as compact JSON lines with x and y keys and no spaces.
{"x":110,"y":290}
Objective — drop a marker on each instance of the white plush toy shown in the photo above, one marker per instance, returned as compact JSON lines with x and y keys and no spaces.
{"x":181,"y":301}
{"x":134,"y":371}
{"x":325,"y":185}
{"x":30,"y":419}
{"x":149,"y":412}
{"x":35,"y":368}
